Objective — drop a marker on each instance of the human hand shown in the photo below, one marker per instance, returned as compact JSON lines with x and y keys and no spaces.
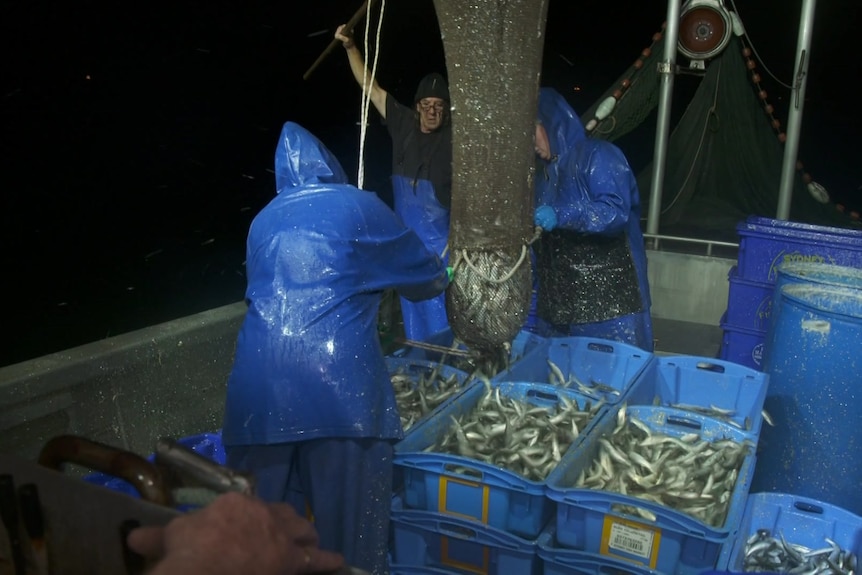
{"x":236,"y":533}
{"x":545,"y":217}
{"x":345,"y":38}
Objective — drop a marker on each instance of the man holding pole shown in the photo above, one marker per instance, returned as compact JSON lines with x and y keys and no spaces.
{"x":421,"y":172}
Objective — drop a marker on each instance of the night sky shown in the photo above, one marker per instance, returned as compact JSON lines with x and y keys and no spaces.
{"x":137,"y":139}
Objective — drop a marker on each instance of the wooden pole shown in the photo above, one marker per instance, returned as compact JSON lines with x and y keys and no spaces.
{"x":347,"y":28}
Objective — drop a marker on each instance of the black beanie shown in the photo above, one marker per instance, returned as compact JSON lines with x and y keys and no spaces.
{"x":432,"y":86}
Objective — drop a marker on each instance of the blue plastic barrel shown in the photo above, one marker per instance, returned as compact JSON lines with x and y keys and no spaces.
{"x":813,"y":273}
{"x":818,"y":273}
{"x":812,"y":356}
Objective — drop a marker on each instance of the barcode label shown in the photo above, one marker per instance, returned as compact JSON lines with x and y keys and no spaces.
{"x":631,"y":540}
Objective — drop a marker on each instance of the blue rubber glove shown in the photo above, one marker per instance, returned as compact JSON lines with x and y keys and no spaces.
{"x":545,"y":218}
{"x":450,"y":272}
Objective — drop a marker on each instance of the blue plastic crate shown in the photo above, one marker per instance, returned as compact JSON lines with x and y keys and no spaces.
{"x":207,"y":444}
{"x":675,"y":542}
{"x":584,"y":359}
{"x":749,"y":303}
{"x":765,"y":244}
{"x":802,"y":521}
{"x":470,"y":488}
{"x":743,"y":346}
{"x":774,"y":224}
{"x":429,"y":539}
{"x":557,"y":560}
{"x":701,"y":382}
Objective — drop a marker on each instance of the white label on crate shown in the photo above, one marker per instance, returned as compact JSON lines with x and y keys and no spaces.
{"x":631,"y":540}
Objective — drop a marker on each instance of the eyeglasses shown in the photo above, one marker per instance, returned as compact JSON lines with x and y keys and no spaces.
{"x":428,"y":106}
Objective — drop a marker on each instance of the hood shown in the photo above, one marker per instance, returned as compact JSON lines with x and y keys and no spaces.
{"x":302,"y":159}
{"x":563,"y":126}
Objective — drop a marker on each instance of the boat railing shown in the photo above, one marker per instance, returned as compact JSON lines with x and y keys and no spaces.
{"x":664,"y":242}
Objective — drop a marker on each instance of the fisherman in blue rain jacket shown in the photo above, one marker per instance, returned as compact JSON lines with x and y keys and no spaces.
{"x":310,"y":409}
{"x":591,"y":265}
{"x":421,"y":173}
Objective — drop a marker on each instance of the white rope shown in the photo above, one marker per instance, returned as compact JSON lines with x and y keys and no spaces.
{"x":711,"y":113}
{"x":367,"y":82}
{"x":461,"y":255}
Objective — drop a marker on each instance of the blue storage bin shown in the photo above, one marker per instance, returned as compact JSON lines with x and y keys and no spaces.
{"x":675,"y":542}
{"x":702,"y":382}
{"x":207,"y":444}
{"x":557,"y":560}
{"x":749,"y":303}
{"x":792,"y":227}
{"x":802,"y":521}
{"x":765,"y":244}
{"x":469,"y":488}
{"x":426,"y":538}
{"x":741,"y":345}
{"x":612,"y":364}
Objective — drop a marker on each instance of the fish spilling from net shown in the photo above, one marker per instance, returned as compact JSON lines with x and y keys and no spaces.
{"x":767,"y":553}
{"x":419,"y":392}
{"x":516,"y":434}
{"x":686,"y":473}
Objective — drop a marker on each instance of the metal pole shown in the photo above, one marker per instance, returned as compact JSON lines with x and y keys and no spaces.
{"x":666,"y":68}
{"x":794,"y":119}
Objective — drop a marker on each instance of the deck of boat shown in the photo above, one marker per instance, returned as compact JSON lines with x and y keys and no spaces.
{"x":675,"y":337}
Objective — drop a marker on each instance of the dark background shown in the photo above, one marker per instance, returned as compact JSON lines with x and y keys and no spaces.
{"x":137,"y":139}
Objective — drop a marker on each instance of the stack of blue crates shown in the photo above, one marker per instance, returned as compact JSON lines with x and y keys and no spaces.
{"x":764,"y":245}
{"x":586,"y":533}
{"x":464,"y":516}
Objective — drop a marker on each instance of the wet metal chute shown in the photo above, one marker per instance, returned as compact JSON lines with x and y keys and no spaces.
{"x":493,"y":56}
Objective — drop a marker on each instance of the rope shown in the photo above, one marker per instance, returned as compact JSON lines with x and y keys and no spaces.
{"x":711,"y":113}
{"x":366,"y":92}
{"x":753,"y":49}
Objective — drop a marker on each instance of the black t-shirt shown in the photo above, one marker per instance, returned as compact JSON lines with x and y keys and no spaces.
{"x":416,"y":155}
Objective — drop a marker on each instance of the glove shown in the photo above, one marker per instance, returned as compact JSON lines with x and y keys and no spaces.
{"x":545,"y":218}
{"x":450,"y":273}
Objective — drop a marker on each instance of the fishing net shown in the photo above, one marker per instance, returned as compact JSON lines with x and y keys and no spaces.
{"x":493,"y":57}
{"x":724,"y":158}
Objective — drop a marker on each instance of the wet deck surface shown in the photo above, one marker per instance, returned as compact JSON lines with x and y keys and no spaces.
{"x":686,"y":338}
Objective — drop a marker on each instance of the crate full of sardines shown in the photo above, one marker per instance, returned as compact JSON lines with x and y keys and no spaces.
{"x":719,"y":389}
{"x":485,"y":455}
{"x":422,"y":386}
{"x":659,"y":487}
{"x":597,"y":368}
{"x":783,"y":533}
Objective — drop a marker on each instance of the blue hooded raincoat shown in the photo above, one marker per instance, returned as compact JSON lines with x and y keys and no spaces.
{"x":593,"y":192}
{"x":308,"y":359}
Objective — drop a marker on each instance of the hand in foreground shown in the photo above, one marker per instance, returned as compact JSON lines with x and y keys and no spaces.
{"x":235,"y":534}
{"x":545,"y":218}
{"x":346,"y":38}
